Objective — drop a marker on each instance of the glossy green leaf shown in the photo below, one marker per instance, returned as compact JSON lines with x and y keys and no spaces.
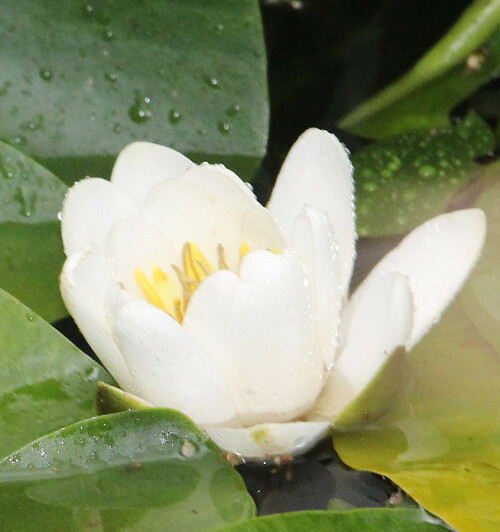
{"x":83,"y":79}
{"x":439,"y":435}
{"x":45,"y":381}
{"x":151,"y":470}
{"x":405,"y":180}
{"x":373,"y":520}
{"x":31,"y":253}
{"x":463,"y":60}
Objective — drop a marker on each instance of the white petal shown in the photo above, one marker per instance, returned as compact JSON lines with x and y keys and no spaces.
{"x":314,"y":240}
{"x":141,"y":165}
{"x":436,"y":257}
{"x":372,"y":327}
{"x":269,"y":439}
{"x":90,"y":208}
{"x":259,"y":327}
{"x":317,"y":172}
{"x":134,"y":244}
{"x":84,"y":281}
{"x":206,"y":206}
{"x":245,"y":188}
{"x":259,"y":230}
{"x":169,"y":367}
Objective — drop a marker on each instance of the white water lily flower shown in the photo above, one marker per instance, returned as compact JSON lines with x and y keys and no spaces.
{"x":196,"y":297}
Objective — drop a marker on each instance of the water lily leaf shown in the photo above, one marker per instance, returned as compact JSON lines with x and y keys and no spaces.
{"x":439,"y":440}
{"x":407,"y":179}
{"x":481,"y":296}
{"x":191,"y":75}
{"x":31,"y":253}
{"x":462,"y":61}
{"x":45,"y":381}
{"x":383,"y":520}
{"x":140,"y":471}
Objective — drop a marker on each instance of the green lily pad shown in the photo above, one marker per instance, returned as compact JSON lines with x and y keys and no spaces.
{"x":383,"y":520}
{"x":45,"y":381}
{"x":191,"y":75}
{"x":151,"y":470}
{"x":407,"y":179}
{"x":31,"y":252}
{"x":440,"y":437}
{"x":467,"y":57}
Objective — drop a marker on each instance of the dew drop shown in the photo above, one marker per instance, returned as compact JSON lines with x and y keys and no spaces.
{"x":26,"y":202}
{"x":108,"y":35}
{"x":112,"y":77}
{"x":140,"y":112}
{"x":370,"y":186}
{"x":426,"y":171}
{"x":18,"y":140}
{"x":188,"y":449}
{"x":224,"y":127}
{"x":30,"y":316}
{"x":233,"y":110}
{"x":46,"y":74}
{"x":211,"y":82}
{"x":174,"y":117}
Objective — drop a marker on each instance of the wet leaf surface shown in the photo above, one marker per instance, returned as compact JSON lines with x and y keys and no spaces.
{"x":31,"y":253}
{"x":143,"y":471}
{"x":191,"y":76}
{"x":405,"y":180}
{"x":386,"y":520}
{"x":45,"y":381}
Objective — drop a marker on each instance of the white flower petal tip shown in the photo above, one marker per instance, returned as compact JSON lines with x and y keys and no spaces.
{"x":318,"y":172}
{"x":269,"y":439}
{"x":373,"y":327}
{"x":141,"y":165}
{"x":436,"y":257}
{"x":90,"y":209}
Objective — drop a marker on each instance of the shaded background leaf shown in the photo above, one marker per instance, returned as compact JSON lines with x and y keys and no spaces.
{"x":461,"y":62}
{"x":31,"y":251}
{"x":189,"y":76}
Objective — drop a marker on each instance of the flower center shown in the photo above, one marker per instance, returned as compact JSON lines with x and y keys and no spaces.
{"x":162,"y":291}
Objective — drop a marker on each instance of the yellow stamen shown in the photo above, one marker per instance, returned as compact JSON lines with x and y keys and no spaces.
{"x":149,"y":290}
{"x":195,"y":264}
{"x":222,"y":257}
{"x":173,"y":297}
{"x":179,"y":311}
{"x":244,"y":249}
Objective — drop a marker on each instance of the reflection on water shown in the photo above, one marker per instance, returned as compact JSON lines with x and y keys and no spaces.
{"x":440,"y":438}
